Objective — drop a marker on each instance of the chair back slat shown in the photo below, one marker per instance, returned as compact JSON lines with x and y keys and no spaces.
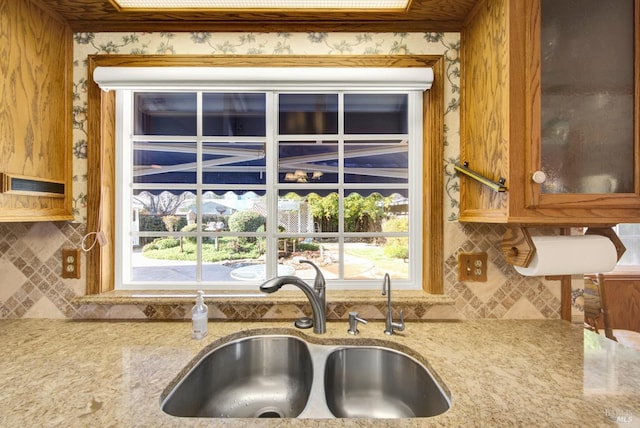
{"x":592,"y":304}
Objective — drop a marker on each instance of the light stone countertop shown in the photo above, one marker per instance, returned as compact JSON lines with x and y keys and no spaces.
{"x":499,"y":372}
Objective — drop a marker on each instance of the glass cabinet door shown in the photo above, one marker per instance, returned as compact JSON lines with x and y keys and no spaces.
{"x":587,"y":96}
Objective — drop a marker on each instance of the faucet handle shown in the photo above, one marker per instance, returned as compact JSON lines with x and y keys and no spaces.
{"x":354,"y":319}
{"x":399,"y":325}
{"x":392,"y":326}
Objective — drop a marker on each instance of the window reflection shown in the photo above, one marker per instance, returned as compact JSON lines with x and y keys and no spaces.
{"x":308,"y":114}
{"x":165,"y":113}
{"x":376,"y":113}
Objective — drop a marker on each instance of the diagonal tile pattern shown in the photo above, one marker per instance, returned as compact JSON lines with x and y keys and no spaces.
{"x":31,"y":285}
{"x":506,"y":293}
{"x":30,"y":264}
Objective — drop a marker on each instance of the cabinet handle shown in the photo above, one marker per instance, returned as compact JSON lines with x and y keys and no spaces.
{"x":539,"y":177}
{"x":498,"y":186}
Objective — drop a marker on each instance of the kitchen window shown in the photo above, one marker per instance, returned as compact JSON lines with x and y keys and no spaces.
{"x":101,"y":129}
{"x":219,"y":188}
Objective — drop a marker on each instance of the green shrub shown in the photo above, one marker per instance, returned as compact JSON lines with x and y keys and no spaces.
{"x":192,"y":239}
{"x":246,"y":221}
{"x":396,"y":247}
{"x":161,"y":244}
{"x":154,"y":223}
{"x":307,"y":246}
{"x":396,"y":224}
{"x":397,"y":250}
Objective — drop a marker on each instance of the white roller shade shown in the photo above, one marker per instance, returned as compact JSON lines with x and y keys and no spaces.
{"x":275,"y":78}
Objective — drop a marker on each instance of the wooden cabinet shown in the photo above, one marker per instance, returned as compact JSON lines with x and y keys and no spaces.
{"x":551,"y":86}
{"x":623,"y":300}
{"x":35,"y":114}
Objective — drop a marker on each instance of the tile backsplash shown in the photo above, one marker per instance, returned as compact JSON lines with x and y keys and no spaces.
{"x":32,"y":285}
{"x":31,"y":270}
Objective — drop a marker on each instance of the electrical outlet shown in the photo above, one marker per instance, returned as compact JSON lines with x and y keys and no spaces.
{"x":71,"y":262}
{"x":472,"y":267}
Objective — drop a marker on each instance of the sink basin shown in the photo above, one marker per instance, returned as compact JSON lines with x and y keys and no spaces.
{"x":284,"y":376}
{"x":373,"y":382}
{"x":260,"y":376}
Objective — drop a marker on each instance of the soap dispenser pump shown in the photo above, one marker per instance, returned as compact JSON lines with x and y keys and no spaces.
{"x":199,"y":317}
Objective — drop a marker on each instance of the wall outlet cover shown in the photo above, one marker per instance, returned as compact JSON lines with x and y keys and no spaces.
{"x":472,"y":267}
{"x":71,"y":263}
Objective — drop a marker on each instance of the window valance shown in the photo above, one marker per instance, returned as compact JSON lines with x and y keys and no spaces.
{"x":256,"y":78}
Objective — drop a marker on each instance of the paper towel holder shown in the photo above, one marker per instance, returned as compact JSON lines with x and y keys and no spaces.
{"x":518,"y":248}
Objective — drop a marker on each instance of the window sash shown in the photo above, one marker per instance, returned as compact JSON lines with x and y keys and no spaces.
{"x":124,"y":178}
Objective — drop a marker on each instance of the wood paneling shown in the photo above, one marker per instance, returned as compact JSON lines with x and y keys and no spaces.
{"x":485,"y":130}
{"x":101,"y":16}
{"x":35,"y":107}
{"x":623,"y":300}
{"x":101,"y":148}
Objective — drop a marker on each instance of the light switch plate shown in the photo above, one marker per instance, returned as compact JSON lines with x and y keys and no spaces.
{"x":472,"y":267}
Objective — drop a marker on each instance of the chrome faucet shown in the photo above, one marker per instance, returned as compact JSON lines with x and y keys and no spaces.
{"x":316,"y":295}
{"x":390,"y":325}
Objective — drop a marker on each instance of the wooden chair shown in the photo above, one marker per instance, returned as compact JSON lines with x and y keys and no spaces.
{"x":596,"y":311}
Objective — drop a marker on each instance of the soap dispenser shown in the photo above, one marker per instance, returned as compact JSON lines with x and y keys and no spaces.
{"x":199,"y":317}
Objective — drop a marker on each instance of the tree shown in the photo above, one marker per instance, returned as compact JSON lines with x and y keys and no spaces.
{"x":166,"y":203}
{"x":360,"y":213}
{"x":363,"y":214}
{"x":170,"y":222}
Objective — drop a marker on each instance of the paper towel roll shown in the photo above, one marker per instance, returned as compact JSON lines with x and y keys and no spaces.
{"x":568,"y":255}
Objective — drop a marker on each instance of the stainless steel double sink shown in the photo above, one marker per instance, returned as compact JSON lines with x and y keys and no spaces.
{"x":284,"y":376}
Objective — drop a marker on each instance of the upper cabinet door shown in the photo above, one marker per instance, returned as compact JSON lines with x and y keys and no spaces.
{"x":551,"y":103}
{"x":587,"y":140}
{"x":35,"y":115}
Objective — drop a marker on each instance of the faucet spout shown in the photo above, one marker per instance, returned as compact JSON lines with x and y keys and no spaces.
{"x":316,"y":295}
{"x":319,"y":283}
{"x":390,"y":325}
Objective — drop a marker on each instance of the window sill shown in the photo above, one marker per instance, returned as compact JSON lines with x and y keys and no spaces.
{"x":351,"y":297}
{"x":416,"y":304}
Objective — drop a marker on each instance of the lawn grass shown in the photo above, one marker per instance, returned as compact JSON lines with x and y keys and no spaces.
{"x":375,"y":254}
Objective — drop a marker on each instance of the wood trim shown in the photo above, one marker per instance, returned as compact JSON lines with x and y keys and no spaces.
{"x":100,"y":183}
{"x":532,"y":119}
{"x":565,"y":288}
{"x":637,"y":96}
{"x":621,"y":273}
{"x":101,"y":148}
{"x":418,"y":16}
{"x":261,"y":61}
{"x":270,"y":26}
{"x":10,"y":183}
{"x":433,"y":183}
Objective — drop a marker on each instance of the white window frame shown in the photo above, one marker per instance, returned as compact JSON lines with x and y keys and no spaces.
{"x":123,"y":190}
